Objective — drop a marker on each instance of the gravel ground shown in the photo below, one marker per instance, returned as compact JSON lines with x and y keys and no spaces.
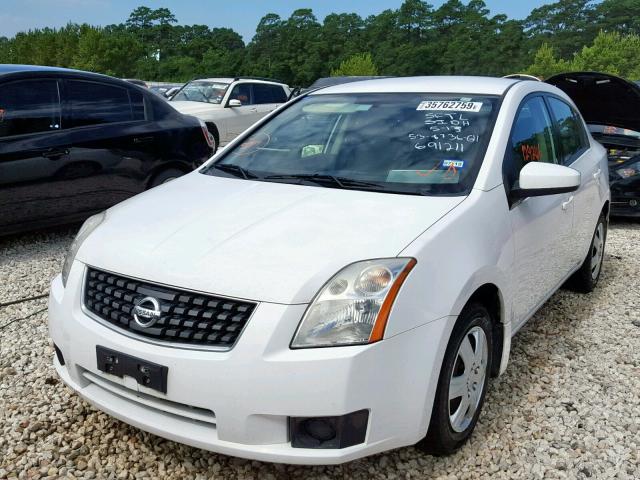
{"x":567,"y":407}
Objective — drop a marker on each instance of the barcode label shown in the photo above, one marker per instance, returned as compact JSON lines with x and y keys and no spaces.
{"x":450,"y":106}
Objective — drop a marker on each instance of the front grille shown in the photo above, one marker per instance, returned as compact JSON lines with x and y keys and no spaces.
{"x":187,"y":318}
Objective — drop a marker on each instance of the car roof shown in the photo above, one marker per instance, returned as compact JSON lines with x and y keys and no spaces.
{"x":219,"y":80}
{"x":15,"y":68}
{"x":330,"y":81}
{"x":430,"y":84}
{"x":239,"y":79}
{"x":25,"y":71}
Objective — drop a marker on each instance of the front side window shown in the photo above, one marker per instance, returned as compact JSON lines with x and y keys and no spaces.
{"x":571,"y":135}
{"x":531,"y":139}
{"x":242,"y":92}
{"x":415,"y":143}
{"x":202,"y":91}
{"x":29,"y":106}
{"x":95,"y":103}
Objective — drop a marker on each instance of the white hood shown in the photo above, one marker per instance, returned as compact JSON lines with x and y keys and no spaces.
{"x":195,"y":108}
{"x":261,"y":241}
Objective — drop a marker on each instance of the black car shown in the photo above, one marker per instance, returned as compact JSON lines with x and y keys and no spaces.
{"x":323,"y":82}
{"x":611,"y":107}
{"x":73,"y":143}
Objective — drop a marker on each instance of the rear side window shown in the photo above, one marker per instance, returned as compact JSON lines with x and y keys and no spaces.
{"x":29,"y":106}
{"x":531,"y":139}
{"x":572,"y":139}
{"x":93,"y":103}
{"x":264,"y":93}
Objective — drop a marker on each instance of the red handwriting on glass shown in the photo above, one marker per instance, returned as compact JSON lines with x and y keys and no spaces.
{"x":531,"y":153}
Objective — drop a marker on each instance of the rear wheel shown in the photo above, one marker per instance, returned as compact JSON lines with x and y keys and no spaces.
{"x":462,"y":384}
{"x":165,"y":176}
{"x":586,"y":279}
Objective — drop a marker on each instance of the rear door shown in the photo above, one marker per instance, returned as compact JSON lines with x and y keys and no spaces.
{"x":34,"y":151}
{"x":575,"y":152}
{"x":542,"y":226}
{"x":268,"y":97}
{"x":113,"y":144}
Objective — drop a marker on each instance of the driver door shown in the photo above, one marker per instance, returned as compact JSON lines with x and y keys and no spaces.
{"x":241,"y":117}
{"x":542,"y":226}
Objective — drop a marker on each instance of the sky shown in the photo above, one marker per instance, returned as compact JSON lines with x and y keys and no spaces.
{"x":240,"y":15}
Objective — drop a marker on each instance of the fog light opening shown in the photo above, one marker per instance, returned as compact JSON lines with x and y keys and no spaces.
{"x":329,"y":432}
{"x":319,"y":428}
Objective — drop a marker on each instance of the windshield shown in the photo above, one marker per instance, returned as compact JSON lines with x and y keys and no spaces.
{"x":202,"y":91}
{"x":401,"y":143}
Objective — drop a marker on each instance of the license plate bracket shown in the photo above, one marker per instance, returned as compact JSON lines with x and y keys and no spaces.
{"x":147,"y":374}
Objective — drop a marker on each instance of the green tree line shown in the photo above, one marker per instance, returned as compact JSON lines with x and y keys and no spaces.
{"x":414,"y":39}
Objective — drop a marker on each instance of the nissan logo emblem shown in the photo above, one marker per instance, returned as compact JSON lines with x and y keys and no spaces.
{"x":146,"y":311}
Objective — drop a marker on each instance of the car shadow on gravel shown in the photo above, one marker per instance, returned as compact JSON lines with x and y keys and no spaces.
{"x":42,"y":236}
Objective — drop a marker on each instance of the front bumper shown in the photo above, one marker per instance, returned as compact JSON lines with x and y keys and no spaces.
{"x":625,"y":207}
{"x":239,"y":402}
{"x":625,"y":197}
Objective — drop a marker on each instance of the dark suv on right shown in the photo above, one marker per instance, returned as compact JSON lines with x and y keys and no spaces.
{"x":74,"y":143}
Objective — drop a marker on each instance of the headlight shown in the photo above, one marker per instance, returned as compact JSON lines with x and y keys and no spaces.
{"x":87,"y":227}
{"x":629,"y":171}
{"x":353,"y":307}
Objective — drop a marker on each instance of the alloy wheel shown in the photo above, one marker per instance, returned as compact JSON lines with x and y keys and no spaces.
{"x":468,"y":379}
{"x":597,"y":251}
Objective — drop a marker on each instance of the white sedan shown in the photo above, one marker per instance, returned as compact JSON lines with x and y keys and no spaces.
{"x":344,"y":278}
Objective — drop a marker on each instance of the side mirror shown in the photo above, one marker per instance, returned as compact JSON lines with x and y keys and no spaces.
{"x":235,"y":103}
{"x":538,"y":179}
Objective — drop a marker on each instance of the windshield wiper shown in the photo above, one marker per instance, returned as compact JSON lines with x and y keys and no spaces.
{"x":236,"y":170}
{"x":340,"y":182}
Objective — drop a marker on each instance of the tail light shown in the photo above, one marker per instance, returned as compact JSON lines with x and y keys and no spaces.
{"x":207,"y":134}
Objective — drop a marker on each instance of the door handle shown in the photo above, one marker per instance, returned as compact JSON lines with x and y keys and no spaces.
{"x":55,"y":153}
{"x":566,"y":204}
{"x":254,"y":110}
{"x":597,"y":174}
{"x":142,"y":139}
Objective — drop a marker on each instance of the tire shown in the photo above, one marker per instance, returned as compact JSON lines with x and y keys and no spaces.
{"x":165,"y":176}
{"x":447,"y":434}
{"x":213,"y":131}
{"x":586,"y":278}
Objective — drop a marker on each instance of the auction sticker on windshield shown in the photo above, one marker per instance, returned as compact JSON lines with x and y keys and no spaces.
{"x":450,"y":106}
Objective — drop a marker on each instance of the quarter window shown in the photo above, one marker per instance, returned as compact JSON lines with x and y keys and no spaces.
{"x":29,"y":106}
{"x":531,"y":139}
{"x":96,"y":103}
{"x":572,"y":139}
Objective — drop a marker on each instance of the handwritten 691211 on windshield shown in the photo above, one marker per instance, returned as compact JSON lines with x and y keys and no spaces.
{"x":445,"y":132}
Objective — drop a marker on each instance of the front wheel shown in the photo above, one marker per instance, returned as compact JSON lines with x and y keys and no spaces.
{"x":586,"y":278}
{"x":462,"y":384}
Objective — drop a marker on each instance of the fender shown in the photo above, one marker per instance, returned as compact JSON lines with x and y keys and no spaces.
{"x":491,"y":275}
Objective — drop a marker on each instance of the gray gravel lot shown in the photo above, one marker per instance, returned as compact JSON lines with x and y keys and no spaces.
{"x":567,"y":407}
